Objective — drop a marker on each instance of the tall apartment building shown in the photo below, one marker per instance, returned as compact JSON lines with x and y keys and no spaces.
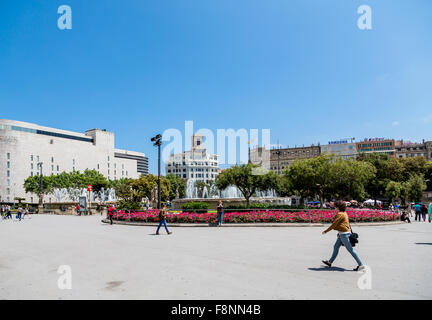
{"x":196,"y":164}
{"x":282,"y":158}
{"x":377,"y":145}
{"x":24,"y":145}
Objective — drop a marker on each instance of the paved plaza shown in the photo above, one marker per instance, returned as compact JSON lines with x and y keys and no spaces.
{"x":130,"y":262}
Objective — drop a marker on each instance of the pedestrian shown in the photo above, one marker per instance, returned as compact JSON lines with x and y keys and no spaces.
{"x":424,"y":212}
{"x":417,"y":209}
{"x":342,"y":225}
{"x":397,"y":207}
{"x":3,"y":211}
{"x":430,"y":212}
{"x":19,"y":213}
{"x":78,"y":209}
{"x":110,"y":213}
{"x":8,"y":212}
{"x":410,"y":209}
{"x":405,"y":217}
{"x":162,"y":220}
{"x":26,"y":211}
{"x":220,"y":213}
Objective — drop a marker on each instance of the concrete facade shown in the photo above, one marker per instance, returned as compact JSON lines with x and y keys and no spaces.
{"x":195,"y":165}
{"x":412,"y":149}
{"x":23,"y":145}
{"x":282,"y":158}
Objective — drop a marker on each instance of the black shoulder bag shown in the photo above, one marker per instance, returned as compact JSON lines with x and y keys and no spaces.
{"x":353,"y":238}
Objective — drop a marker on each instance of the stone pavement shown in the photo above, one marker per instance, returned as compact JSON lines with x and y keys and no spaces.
{"x":130,"y":262}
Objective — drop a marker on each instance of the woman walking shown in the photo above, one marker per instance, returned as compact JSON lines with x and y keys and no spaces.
{"x":220,"y":213}
{"x":342,"y":225}
{"x":424,"y":212}
{"x":162,"y":219}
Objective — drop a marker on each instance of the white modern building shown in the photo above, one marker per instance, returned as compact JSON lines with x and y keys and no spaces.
{"x":194,"y":165}
{"x":23,"y":145}
{"x":343,"y":149}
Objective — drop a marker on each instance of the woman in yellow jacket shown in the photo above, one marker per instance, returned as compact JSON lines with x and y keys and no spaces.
{"x":341,"y":224}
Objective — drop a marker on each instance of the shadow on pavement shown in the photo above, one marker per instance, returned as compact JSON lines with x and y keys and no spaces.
{"x":329,"y":269}
{"x":426,"y":243}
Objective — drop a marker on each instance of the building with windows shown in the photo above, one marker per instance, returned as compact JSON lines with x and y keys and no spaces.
{"x":281,"y":158}
{"x":343,"y":149}
{"x":407,"y":149}
{"x":24,"y":145}
{"x":195,"y":165}
{"x":377,"y":145}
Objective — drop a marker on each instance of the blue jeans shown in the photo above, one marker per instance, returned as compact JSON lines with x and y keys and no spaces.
{"x":220,"y":217}
{"x":344,"y":238}
{"x":163,"y":222}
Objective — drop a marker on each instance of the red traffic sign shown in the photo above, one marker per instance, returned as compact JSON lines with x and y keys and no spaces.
{"x":89,"y":187}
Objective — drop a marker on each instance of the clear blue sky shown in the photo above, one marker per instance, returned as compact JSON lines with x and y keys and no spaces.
{"x":301,"y":68}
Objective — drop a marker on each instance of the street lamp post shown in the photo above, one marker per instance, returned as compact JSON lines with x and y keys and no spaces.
{"x":157,"y":141}
{"x":177,"y":185}
{"x":278,"y":154}
{"x":41,"y":186}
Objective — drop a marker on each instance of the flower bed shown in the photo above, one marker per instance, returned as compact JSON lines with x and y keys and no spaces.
{"x":260,"y":216}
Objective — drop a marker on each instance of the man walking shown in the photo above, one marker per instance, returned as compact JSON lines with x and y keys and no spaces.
{"x":162,"y":219}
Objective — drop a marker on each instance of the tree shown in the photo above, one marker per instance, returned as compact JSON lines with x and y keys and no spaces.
{"x":241,"y":176}
{"x":33,"y":185}
{"x":384,"y":173}
{"x":394,"y":190}
{"x":415,"y":187}
{"x":144,"y":185}
{"x":348,"y":178}
{"x":176,"y":184}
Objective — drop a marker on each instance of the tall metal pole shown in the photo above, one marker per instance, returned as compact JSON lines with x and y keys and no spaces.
{"x":159,"y":177}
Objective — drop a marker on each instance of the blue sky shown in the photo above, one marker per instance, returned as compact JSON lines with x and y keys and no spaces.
{"x":301,"y":68}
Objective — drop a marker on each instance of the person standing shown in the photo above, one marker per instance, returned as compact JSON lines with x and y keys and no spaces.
{"x":430,"y":212}
{"x":110,"y":213}
{"x":220,"y":213}
{"x":409,"y":208}
{"x":424,"y":212}
{"x":26,"y":211}
{"x":162,"y":220}
{"x":342,"y":225}
{"x":8,"y":212}
{"x":417,"y":209}
{"x":19,"y":213}
{"x":3,"y":211}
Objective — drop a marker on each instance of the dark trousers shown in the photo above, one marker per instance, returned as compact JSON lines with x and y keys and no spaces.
{"x":220,"y":217}
{"x":110,"y":218}
{"x":417,"y":216}
{"x":163,"y":222}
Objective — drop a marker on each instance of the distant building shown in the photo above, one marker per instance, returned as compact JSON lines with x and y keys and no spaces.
{"x":195,"y":165}
{"x":282,"y":158}
{"x":377,"y":145}
{"x":343,"y":149}
{"x":413,"y":149}
{"x":23,"y":145}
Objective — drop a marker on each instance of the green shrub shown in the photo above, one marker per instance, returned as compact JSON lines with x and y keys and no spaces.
{"x":128,"y":205}
{"x":195,"y":206}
